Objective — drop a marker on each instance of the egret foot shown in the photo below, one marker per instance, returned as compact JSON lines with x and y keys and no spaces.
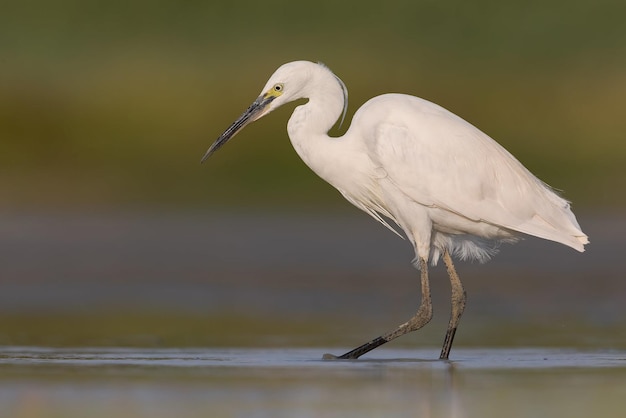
{"x":359,"y":351}
{"x":329,"y":356}
{"x":421,"y":318}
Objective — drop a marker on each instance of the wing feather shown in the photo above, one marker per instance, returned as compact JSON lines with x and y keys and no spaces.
{"x":440,"y":160}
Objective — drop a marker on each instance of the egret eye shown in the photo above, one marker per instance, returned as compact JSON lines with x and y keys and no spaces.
{"x":278,"y":87}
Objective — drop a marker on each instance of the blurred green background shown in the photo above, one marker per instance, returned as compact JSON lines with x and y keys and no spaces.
{"x":113,"y":234}
{"x":108,"y":104}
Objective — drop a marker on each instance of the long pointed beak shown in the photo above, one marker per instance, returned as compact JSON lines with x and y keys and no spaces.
{"x":254,"y":112}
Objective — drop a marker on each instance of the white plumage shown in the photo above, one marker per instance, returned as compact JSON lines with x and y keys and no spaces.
{"x":450,"y":187}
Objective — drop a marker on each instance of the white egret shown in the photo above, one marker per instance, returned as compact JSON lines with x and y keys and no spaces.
{"x":452,"y":189}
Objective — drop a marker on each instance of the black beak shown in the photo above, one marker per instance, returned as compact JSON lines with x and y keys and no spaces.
{"x":254,"y":112}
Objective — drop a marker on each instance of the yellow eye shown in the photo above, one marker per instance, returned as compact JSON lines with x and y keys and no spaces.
{"x":278,"y":87}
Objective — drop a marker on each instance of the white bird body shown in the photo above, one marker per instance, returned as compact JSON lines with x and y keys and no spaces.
{"x":451,"y":188}
{"x":443,"y":181}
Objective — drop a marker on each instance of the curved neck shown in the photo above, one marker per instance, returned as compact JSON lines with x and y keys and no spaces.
{"x":309,"y":125}
{"x":321,"y":112}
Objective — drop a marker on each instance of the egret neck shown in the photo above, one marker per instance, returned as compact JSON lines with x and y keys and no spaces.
{"x":309,"y":124}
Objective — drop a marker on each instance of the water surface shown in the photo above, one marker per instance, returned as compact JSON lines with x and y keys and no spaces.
{"x":121,"y":382}
{"x":228,"y":315}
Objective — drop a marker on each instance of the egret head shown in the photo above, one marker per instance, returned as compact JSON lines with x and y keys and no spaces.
{"x":291,"y":81}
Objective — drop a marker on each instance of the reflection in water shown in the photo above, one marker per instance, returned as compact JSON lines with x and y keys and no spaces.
{"x":454,"y":399}
{"x":274,"y":383}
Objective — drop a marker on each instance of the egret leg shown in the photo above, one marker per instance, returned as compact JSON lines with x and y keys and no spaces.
{"x":421,"y":318}
{"x":458,"y":305}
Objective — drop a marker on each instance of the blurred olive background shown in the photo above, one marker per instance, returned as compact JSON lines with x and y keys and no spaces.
{"x":109,"y":104}
{"x":110,"y":222}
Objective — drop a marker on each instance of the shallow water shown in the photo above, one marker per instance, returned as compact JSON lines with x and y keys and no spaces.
{"x":39,"y":381}
{"x":297,"y":358}
{"x":542,"y":334}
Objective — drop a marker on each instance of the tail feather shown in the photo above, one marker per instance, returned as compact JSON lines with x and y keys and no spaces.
{"x":567,"y":233}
